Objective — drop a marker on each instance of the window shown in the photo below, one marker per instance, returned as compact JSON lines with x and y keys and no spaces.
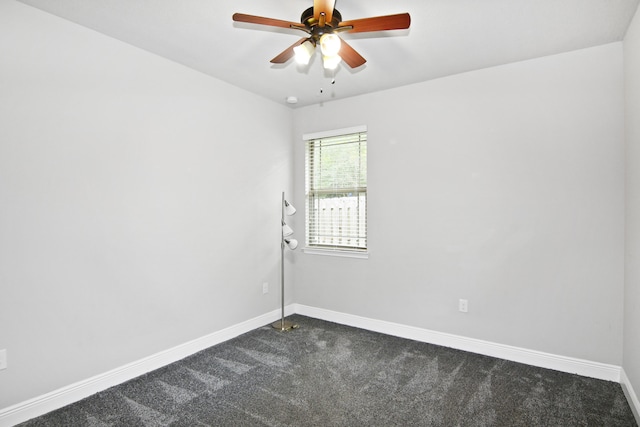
{"x":336,"y":190}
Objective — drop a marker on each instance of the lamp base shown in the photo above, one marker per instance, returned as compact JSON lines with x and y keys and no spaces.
{"x":287,"y":325}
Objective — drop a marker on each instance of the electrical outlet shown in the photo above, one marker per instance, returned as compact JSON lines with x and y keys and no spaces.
{"x":3,"y":359}
{"x":265,"y":288}
{"x":463,"y":305}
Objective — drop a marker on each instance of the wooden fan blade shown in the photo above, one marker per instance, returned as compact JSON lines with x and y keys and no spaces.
{"x":288,"y":53}
{"x":251,"y":19}
{"x":400,"y":21}
{"x":349,"y":55}
{"x":325,"y":6}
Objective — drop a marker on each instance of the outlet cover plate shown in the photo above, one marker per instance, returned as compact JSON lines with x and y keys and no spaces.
{"x":463,"y":305}
{"x":3,"y":359}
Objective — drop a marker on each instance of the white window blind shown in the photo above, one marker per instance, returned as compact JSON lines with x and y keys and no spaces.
{"x":336,"y":191}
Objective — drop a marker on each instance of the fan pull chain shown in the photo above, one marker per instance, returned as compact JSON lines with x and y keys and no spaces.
{"x":333,"y":81}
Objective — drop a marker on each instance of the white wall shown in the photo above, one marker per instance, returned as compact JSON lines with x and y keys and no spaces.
{"x":632,"y":247}
{"x":138,"y":210}
{"x":503,"y":186}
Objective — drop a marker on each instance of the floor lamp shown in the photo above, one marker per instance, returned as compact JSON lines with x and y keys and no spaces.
{"x":287,"y":231}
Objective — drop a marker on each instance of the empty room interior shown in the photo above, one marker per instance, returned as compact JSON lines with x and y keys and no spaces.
{"x":145,"y":148}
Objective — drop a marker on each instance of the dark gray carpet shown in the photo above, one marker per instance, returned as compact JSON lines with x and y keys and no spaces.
{"x":325,"y":374}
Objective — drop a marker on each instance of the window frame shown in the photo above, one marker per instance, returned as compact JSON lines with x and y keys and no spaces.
{"x":337,"y":250}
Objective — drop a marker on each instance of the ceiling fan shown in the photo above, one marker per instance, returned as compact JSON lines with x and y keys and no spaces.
{"x":322,"y":23}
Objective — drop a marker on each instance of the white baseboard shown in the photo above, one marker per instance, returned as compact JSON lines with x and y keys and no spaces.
{"x":72,"y":393}
{"x":530,"y":357}
{"x":631,"y":395}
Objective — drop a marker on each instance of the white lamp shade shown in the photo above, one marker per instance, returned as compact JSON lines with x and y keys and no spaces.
{"x":286,"y":230}
{"x":330,"y":44}
{"x":291,"y":243}
{"x":303,"y":52}
{"x":288,"y":208}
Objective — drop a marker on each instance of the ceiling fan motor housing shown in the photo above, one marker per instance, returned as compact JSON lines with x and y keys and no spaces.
{"x":313,"y":25}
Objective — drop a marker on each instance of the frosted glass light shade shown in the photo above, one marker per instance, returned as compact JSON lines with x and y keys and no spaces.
{"x":303,"y":52}
{"x":330,"y":44}
{"x":331,"y":62}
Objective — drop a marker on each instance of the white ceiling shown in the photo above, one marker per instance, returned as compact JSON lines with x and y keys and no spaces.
{"x":446,"y":37}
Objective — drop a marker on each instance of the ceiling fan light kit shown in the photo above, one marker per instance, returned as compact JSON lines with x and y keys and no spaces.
{"x":322,"y":23}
